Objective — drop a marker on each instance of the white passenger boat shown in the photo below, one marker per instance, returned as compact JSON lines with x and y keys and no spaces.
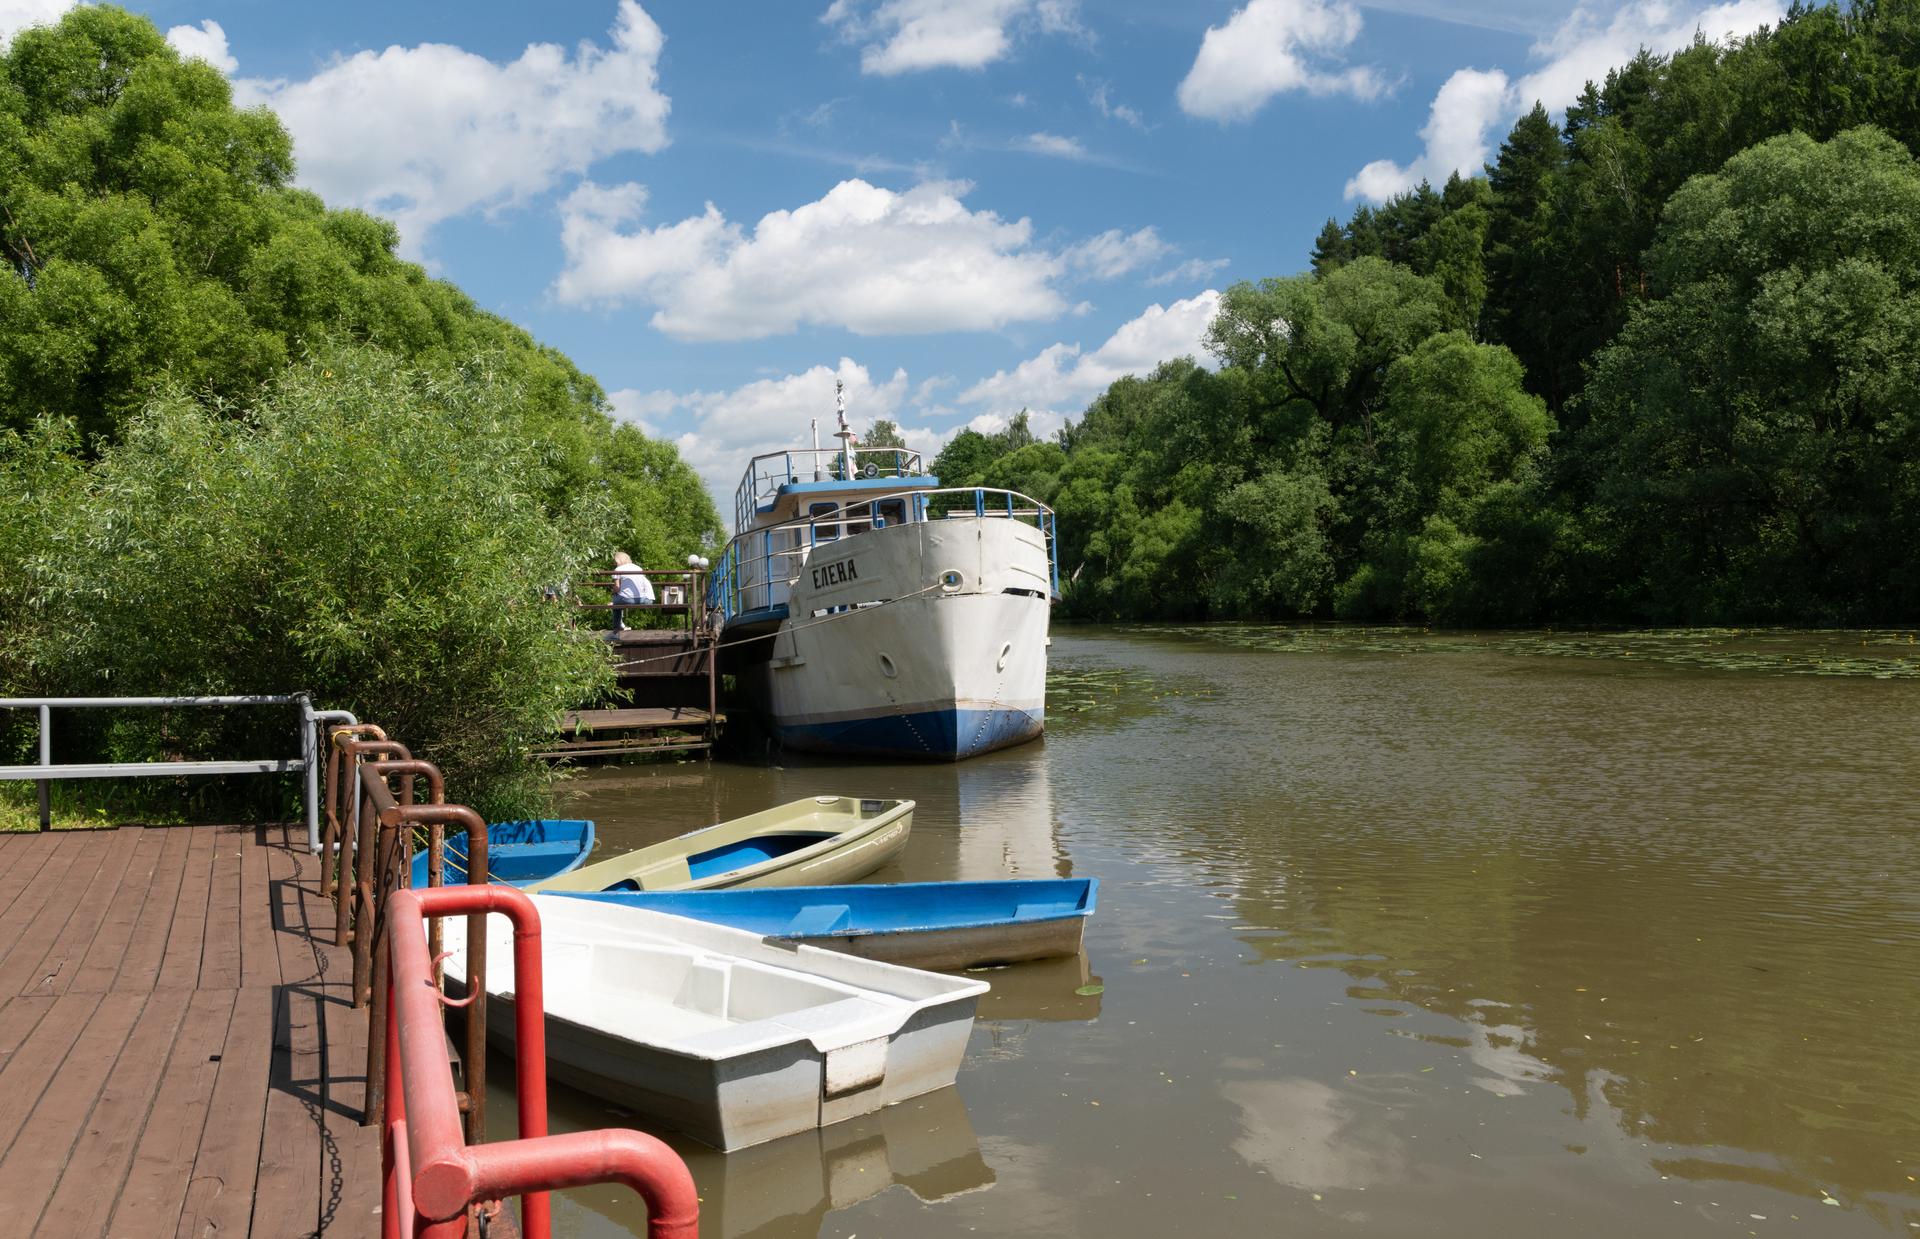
{"x":868,"y":610}
{"x":719,"y":1033}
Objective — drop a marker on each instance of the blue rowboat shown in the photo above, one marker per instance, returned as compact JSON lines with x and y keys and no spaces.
{"x":919,"y":924}
{"x":518,"y":853}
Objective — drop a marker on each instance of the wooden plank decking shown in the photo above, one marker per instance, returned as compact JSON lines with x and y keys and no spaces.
{"x":177,"y":1051}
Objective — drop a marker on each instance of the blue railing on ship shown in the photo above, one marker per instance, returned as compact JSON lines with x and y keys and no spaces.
{"x":753,"y":568}
{"x":767,"y":474}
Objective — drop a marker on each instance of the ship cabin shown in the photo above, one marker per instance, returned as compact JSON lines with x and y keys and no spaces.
{"x":793,"y":503}
{"x":789,"y":503}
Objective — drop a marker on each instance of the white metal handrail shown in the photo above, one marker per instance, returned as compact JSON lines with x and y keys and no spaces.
{"x":737,"y":588}
{"x":45,"y":771}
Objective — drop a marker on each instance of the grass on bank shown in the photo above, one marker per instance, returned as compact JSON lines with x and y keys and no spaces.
{"x":95,"y":804}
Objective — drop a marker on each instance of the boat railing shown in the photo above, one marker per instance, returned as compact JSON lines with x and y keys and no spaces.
{"x":767,"y":473}
{"x":435,"y":1175}
{"x":45,"y":772}
{"x":759,"y":566}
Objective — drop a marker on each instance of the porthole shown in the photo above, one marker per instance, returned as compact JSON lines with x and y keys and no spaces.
{"x":1005,"y":651}
{"x":887,"y":668}
{"x":951,"y":580}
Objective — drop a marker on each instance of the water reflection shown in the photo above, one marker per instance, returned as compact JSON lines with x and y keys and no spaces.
{"x":788,"y":1187}
{"x":1476,"y":941}
{"x":1309,"y":1136}
{"x":1042,"y":989}
{"x":991,"y":817}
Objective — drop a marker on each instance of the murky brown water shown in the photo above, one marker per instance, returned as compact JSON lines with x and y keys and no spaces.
{"x":1400,"y":934}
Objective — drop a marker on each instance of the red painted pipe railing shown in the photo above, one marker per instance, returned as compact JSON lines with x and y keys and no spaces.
{"x":433,"y":1178}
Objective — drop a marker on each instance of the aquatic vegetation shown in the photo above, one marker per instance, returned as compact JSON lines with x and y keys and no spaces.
{"x":1080,"y":692}
{"x":1880,"y":654}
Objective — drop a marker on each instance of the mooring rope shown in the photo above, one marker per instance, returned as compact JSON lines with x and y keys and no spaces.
{"x":811,"y":623}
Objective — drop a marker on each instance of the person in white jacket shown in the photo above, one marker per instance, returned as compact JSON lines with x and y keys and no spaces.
{"x":630,"y":586}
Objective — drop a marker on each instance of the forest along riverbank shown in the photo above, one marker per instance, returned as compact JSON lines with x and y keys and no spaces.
{"x":1399,"y":933}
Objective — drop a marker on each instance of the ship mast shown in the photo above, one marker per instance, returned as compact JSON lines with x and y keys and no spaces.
{"x":845,"y":433}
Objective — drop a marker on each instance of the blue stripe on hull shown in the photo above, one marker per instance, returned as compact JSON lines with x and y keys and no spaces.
{"x":942,"y":735}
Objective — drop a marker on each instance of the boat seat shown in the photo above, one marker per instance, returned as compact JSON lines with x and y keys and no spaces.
{"x":532,"y":851}
{"x":667,"y":875}
{"x":818,"y":920}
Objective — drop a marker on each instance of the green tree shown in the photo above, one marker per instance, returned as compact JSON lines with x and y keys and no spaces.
{"x":1753,"y":429}
{"x":1460,"y":435}
{"x":883,"y":433}
{"x":371,"y":532}
{"x":1523,"y":310}
{"x":153,"y":243}
{"x":965,"y":459}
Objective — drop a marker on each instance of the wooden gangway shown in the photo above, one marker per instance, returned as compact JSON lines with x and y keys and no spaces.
{"x":178,"y":1050}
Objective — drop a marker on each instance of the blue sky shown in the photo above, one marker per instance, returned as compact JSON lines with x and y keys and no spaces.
{"x":960,"y":207}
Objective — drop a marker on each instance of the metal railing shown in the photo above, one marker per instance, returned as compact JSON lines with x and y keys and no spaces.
{"x":677,"y":591}
{"x":434,"y":1176}
{"x":374,"y":860}
{"x":45,"y":772}
{"x":767,"y":474}
{"x":759,"y":566}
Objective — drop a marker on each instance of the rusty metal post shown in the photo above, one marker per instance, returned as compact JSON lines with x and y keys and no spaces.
{"x":392,"y":864}
{"x":360,"y":862}
{"x":329,"y":864}
{"x":368,"y":893}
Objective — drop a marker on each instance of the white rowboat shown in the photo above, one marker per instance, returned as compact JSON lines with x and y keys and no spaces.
{"x":715,"y":1032}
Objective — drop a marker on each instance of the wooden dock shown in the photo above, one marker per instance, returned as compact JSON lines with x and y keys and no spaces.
{"x":178,"y":1055}
{"x":607,"y":733}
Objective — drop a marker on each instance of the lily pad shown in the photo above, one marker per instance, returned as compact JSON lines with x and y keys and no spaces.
{"x":1088,"y":991}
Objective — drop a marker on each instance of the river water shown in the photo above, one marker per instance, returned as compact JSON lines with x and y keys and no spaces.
{"x":1399,"y":934}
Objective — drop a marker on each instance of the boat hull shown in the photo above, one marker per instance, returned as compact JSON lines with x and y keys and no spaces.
{"x":926,"y":640}
{"x":518,"y":853}
{"x":938,"y":925}
{"x":713,"y":1031}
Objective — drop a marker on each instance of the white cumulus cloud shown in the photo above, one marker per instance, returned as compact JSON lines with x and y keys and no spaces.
{"x":1061,"y":378}
{"x":904,"y":36}
{"x":731,"y":427}
{"x":1470,"y":103}
{"x":1051,"y":144}
{"x":423,"y":134}
{"x":1473,"y":103}
{"x":1588,"y":44}
{"x":207,"y":41}
{"x":866,"y":258}
{"x":1271,"y":46}
{"x":17,"y":15}
{"x":1114,"y":253}
{"x":1193,"y":270}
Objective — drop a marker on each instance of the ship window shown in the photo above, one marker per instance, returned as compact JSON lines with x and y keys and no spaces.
{"x":892,"y":511}
{"x":824,"y":531}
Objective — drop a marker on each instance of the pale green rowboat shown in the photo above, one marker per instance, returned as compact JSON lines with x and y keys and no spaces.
{"x":819,"y":841}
